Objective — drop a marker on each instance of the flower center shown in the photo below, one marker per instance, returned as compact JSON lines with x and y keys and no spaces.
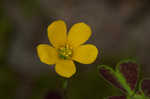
{"x":65,"y":52}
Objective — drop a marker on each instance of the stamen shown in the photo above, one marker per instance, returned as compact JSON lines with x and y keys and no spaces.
{"x":65,"y":52}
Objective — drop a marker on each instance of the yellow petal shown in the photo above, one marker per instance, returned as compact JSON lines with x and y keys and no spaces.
{"x":47,"y":54}
{"x":79,"y":34}
{"x":65,"y":68}
{"x":85,"y":54}
{"x":57,"y":33}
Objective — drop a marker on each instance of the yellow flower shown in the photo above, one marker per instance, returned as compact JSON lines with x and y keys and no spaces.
{"x":67,"y":48}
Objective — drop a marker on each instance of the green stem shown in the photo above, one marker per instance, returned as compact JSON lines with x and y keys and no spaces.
{"x":65,"y":88}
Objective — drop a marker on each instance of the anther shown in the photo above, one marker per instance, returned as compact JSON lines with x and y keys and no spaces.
{"x":65,"y":52}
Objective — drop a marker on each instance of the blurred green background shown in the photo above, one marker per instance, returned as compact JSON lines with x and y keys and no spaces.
{"x":120,"y":30}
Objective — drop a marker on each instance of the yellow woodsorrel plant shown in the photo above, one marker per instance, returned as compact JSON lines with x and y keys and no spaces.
{"x":67,"y":47}
{"x":125,"y":77}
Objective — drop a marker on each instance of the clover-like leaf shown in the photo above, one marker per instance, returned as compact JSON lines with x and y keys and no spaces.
{"x":125,"y":76}
{"x":109,"y":75}
{"x":117,"y":97}
{"x":145,"y":86}
{"x":129,"y":70}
